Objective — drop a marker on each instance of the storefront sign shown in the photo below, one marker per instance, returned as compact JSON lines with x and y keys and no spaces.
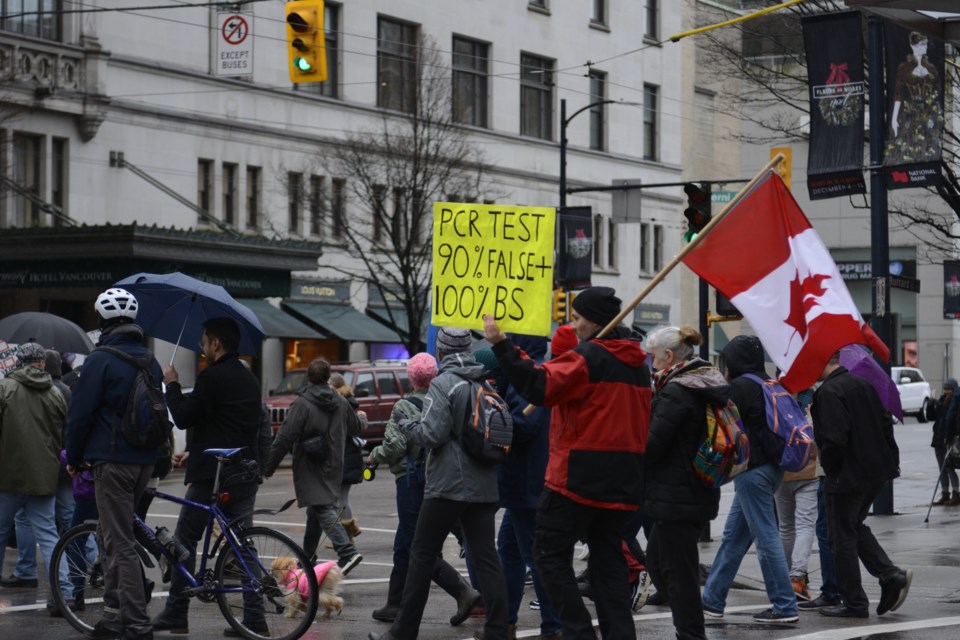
{"x":496,"y":260}
{"x":864,"y":270}
{"x":326,"y":291}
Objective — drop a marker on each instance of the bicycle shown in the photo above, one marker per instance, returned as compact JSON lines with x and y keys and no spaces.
{"x":242,"y":582}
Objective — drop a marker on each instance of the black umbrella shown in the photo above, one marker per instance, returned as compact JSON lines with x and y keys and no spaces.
{"x":52,"y":332}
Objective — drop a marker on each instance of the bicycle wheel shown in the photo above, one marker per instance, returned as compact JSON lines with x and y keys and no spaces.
{"x":76,"y":577}
{"x":272,"y":597}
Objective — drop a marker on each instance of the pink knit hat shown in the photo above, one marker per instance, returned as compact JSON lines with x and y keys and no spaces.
{"x":421,"y":369}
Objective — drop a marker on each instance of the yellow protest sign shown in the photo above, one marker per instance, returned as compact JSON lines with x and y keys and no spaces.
{"x":496,"y":260}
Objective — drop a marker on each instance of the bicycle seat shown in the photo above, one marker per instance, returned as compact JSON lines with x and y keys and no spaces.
{"x":226,"y":453}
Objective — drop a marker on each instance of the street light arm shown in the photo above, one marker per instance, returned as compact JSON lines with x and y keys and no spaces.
{"x":594,"y":104}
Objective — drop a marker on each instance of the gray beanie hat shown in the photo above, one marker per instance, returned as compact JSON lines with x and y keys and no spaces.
{"x":950,"y":383}
{"x":453,"y":340}
{"x":31,"y":353}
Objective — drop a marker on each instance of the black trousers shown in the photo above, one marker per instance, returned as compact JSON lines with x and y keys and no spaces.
{"x":437,"y":517}
{"x":561,"y":522}
{"x":853,"y":542}
{"x":673,"y":560}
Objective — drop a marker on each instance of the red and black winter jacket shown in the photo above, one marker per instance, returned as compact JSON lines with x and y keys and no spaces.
{"x":600,"y":394}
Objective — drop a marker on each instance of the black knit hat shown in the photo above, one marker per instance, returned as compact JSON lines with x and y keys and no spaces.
{"x":599,"y":305}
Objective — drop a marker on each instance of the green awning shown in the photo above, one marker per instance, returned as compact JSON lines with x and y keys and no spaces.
{"x":277,"y":324}
{"x":400,"y":323}
{"x":342,"y":321}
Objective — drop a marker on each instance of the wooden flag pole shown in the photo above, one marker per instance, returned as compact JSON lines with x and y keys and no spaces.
{"x":776,"y":160}
{"x":677,"y":259}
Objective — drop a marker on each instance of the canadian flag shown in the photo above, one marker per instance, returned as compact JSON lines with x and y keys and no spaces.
{"x":766,"y":257}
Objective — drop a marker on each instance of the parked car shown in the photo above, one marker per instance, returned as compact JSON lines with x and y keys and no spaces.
{"x":916,"y":395}
{"x":377,"y":385}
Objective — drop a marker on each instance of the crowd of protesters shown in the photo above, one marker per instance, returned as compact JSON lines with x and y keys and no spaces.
{"x":604,"y":449}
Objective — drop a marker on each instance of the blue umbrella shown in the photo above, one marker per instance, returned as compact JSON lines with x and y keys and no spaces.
{"x":174,"y":306}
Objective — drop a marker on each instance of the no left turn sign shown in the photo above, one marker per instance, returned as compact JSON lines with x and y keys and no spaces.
{"x":235,"y":30}
{"x":234,"y":50}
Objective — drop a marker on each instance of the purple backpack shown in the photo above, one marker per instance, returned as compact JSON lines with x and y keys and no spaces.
{"x":786,"y":419}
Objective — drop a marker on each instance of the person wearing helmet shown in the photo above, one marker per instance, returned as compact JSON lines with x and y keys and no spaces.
{"x":121,"y":472}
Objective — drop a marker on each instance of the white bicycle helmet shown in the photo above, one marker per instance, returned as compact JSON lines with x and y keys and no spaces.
{"x":116,"y":303}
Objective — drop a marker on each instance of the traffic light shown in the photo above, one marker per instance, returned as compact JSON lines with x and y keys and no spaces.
{"x":559,"y":305}
{"x":306,"y":52}
{"x":698,"y":211}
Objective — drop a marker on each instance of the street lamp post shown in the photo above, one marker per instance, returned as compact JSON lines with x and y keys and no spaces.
{"x":564,"y":121}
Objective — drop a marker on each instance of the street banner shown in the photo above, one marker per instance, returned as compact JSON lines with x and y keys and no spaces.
{"x":951,"y":289}
{"x":575,"y":255}
{"x":496,"y":260}
{"x":834,"y":51}
{"x":767,"y":258}
{"x":915,"y":75}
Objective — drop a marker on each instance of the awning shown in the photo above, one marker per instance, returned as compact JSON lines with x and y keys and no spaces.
{"x":400,"y":321}
{"x":277,"y":324}
{"x":342,"y":321}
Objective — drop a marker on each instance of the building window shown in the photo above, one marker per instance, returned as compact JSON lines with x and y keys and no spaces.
{"x":38,"y":18}
{"x":316,"y":205}
{"x":657,"y":248}
{"x":295,"y":201}
{"x":651,"y":14}
{"x":536,"y":96}
{"x":703,"y":103}
{"x":331,"y":28}
{"x":229,"y":193}
{"x":469,"y":82}
{"x":543,"y":5}
{"x":645,"y":248}
{"x":611,"y":244}
{"x":27,"y":166}
{"x":205,"y":187}
{"x":396,"y":65}
{"x":58,"y":178}
{"x":598,"y":83}
{"x":597,"y":241}
{"x":650,"y":122}
{"x":338,"y":203}
{"x":253,"y":197}
{"x":598,"y":12}
{"x":378,"y":213}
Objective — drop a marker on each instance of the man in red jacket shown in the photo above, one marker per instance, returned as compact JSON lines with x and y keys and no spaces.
{"x":600,"y":394}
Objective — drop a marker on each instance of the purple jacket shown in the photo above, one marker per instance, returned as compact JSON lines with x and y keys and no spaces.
{"x":83,"y":483}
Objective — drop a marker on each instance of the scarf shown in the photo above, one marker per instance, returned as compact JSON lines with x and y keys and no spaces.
{"x":661,"y":377}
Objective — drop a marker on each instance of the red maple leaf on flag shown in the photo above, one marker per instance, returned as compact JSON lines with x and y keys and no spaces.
{"x":803,"y":297}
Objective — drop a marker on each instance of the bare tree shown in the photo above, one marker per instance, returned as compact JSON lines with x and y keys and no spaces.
{"x":760,"y":70}
{"x":394,"y":171}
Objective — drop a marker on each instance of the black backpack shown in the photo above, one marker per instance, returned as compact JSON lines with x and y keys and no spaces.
{"x":144,"y":422}
{"x":488,"y":432}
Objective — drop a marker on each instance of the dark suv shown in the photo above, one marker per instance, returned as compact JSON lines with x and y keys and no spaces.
{"x":377,"y":386}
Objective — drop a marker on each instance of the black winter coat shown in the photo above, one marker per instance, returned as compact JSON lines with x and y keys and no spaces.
{"x":352,"y":454}
{"x":672,"y":491}
{"x":743,"y":355}
{"x":223,"y":411}
{"x":940,"y":421}
{"x":854,"y":434}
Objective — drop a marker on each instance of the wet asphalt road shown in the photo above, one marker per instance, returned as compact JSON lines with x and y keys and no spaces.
{"x":932,"y":550}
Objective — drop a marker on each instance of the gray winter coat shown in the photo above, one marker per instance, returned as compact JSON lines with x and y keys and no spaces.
{"x":318,"y":410}
{"x":451,"y":473}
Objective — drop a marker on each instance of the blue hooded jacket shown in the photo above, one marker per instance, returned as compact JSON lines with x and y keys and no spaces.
{"x":99,"y":398}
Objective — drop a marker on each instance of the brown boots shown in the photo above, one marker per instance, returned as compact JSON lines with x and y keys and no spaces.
{"x":351,"y":527}
{"x":947,"y":501}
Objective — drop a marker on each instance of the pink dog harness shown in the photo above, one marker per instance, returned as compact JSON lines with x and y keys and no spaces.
{"x":298,"y":577}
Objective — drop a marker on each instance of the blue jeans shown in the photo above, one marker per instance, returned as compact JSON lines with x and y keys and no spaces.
{"x":828,"y":569}
{"x":515,"y":545}
{"x":40,"y":512}
{"x":27,"y":542}
{"x":752,"y":518}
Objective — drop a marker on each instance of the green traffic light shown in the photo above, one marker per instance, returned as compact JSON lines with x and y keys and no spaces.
{"x":689,"y":236}
{"x":302,"y":64}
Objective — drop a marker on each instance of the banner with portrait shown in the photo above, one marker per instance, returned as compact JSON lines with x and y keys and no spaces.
{"x":951,"y":289}
{"x":915,"y":74}
{"x":834,"y":52}
{"x":575,"y":254}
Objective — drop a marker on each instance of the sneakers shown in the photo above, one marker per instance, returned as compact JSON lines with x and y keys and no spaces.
{"x":101,"y":632}
{"x":800,"y":588}
{"x":13,"y":582}
{"x":347,"y":564}
{"x":535,"y":605}
{"x":843,"y":611}
{"x":820,"y":602}
{"x":776,"y":617}
{"x":640,"y":591}
{"x":893,"y":591}
{"x":711,"y":612}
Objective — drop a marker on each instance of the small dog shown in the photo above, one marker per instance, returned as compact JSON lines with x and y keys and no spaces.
{"x":291,"y":577}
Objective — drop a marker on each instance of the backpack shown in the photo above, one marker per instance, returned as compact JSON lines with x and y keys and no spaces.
{"x":786,"y":419}
{"x":144,"y":422}
{"x":487,"y":434}
{"x":725,"y":450}
{"x":416,"y":467}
